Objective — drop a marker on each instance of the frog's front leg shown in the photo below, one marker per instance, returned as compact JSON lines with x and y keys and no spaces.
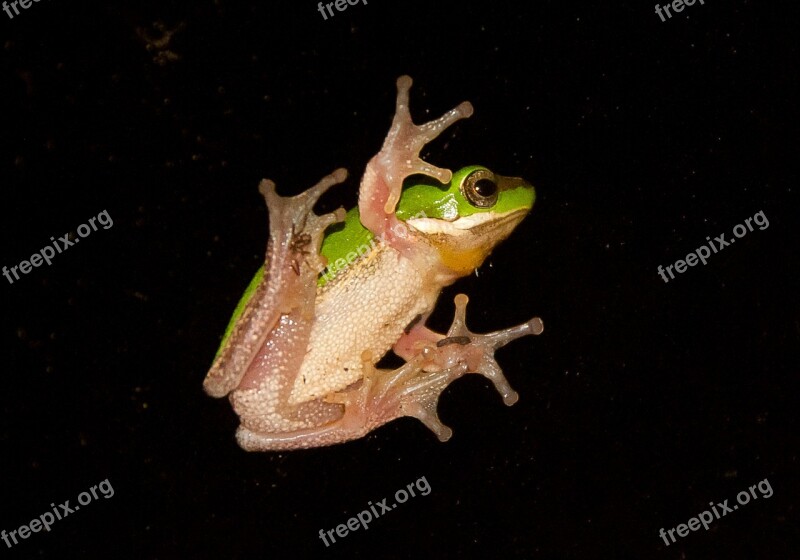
{"x":399,"y":158}
{"x":414,"y":389}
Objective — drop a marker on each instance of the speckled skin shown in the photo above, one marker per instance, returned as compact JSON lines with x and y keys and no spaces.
{"x":348,"y":321}
{"x":391,"y":292}
{"x":299,"y":365}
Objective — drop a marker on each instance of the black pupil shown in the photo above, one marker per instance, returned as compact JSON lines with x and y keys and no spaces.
{"x":485,"y":188}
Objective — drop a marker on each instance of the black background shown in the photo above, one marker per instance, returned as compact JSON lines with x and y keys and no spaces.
{"x":641,"y":402}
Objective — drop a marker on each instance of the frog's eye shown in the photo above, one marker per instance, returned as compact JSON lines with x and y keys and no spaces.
{"x":480,"y":188}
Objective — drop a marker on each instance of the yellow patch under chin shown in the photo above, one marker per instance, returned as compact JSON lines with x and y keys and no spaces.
{"x":464,"y":244}
{"x":462,"y":262}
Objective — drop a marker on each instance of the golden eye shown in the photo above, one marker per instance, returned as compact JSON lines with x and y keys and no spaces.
{"x":480,"y":188}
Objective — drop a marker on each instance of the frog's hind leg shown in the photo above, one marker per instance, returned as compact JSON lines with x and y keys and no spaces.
{"x":411,"y":390}
{"x":288,"y":282}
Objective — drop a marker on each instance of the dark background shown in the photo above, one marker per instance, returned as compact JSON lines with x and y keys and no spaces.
{"x":641,"y":402}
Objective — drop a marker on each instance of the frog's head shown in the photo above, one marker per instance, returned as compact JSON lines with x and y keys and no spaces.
{"x":468,"y":216}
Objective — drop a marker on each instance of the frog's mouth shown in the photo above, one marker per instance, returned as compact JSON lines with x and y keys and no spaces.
{"x":463,"y":244}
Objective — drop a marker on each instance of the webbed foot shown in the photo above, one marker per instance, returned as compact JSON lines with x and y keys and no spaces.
{"x":414,"y":388}
{"x":399,"y":158}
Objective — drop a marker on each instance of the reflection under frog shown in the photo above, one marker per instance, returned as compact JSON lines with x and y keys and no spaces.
{"x":298,"y":357}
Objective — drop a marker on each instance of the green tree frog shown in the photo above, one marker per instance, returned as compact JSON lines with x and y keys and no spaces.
{"x":339,"y":291}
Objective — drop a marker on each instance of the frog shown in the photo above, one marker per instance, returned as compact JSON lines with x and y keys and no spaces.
{"x":338,"y":291}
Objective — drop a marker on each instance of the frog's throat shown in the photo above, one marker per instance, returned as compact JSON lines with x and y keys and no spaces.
{"x":465,"y":243}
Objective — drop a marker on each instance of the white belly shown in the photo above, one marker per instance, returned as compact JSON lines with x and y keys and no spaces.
{"x":366,"y":308}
